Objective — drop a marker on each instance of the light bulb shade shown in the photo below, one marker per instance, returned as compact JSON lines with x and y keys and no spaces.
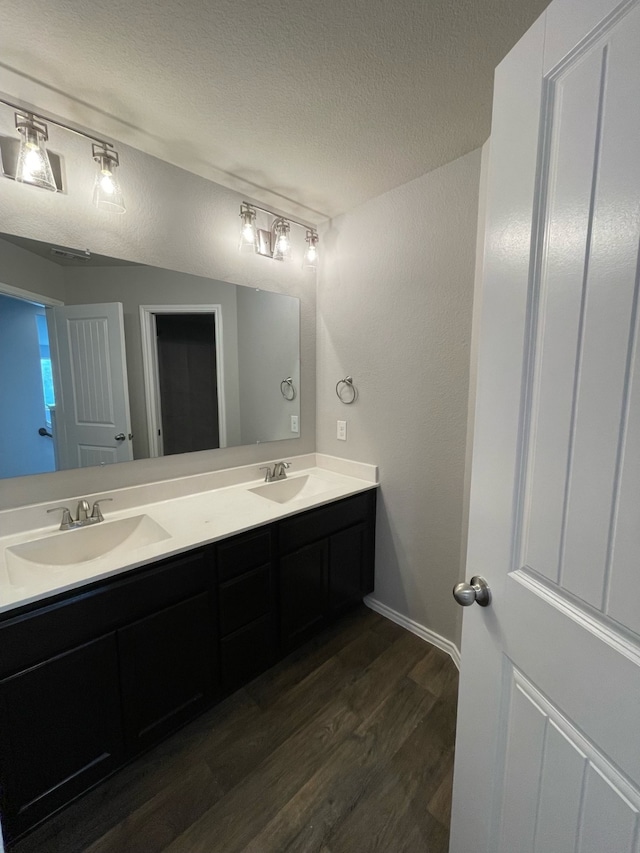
{"x":310,"y":259}
{"x":33,"y":161}
{"x":248,"y":233}
{"x":107,"y":194}
{"x":281,"y":241}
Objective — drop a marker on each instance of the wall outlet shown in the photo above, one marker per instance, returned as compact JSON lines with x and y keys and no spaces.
{"x":342,"y":431}
{"x":294,"y":423}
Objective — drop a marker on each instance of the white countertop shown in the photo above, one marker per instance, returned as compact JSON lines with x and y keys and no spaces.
{"x":188,"y":520}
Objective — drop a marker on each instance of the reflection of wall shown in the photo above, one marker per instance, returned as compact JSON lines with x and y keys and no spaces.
{"x":268,"y":353}
{"x":135,"y":286}
{"x":174,"y":220}
{"x":21,"y":448}
{"x":22,"y":269}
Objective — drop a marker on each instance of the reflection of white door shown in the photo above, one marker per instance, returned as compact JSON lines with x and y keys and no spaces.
{"x":548,"y":753}
{"x":92,"y":423}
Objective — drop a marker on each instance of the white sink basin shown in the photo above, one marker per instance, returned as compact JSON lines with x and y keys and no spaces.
{"x":71,"y":548}
{"x":293,"y":488}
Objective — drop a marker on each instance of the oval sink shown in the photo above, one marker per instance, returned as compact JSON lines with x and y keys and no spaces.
{"x":294,"y":488}
{"x":74,"y":547}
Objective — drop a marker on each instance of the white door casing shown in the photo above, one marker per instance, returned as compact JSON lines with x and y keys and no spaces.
{"x":90,"y":377}
{"x":547,"y":753}
{"x":151,"y":376}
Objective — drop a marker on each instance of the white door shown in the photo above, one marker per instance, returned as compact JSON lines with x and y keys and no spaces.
{"x":548,"y":746}
{"x":92,"y":420}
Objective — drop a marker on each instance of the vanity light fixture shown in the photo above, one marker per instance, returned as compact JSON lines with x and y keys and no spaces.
{"x":310,"y":261}
{"x":33,"y":166}
{"x":275,"y":242}
{"x":248,"y":234}
{"x":107,"y":194}
{"x":281,"y":242}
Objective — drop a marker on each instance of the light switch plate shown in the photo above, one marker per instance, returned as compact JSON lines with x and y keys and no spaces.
{"x":342,"y":431}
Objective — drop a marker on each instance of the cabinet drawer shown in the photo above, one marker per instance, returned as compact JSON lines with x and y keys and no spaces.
{"x":317,"y":524}
{"x":243,"y":553}
{"x":244,"y":599}
{"x":67,"y":622}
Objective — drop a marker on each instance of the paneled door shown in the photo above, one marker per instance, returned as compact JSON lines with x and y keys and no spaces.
{"x":92,"y":423}
{"x":548,"y":747}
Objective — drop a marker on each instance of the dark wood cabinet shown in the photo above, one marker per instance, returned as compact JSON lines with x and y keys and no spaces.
{"x":326,"y":565}
{"x":303,"y":592}
{"x":167,"y":669}
{"x":246,"y":605}
{"x":91,"y":677}
{"x":60,"y":731}
{"x":347,"y":567}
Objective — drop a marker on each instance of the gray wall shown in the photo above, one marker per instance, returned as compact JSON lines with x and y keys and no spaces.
{"x":174,"y":220}
{"x":394,"y":310}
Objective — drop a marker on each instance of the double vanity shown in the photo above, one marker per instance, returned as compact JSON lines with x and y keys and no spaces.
{"x":113,"y":634}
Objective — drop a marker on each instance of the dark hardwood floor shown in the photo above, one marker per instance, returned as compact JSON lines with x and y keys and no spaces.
{"x":344,"y":747}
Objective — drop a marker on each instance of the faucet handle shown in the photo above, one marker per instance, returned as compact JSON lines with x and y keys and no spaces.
{"x":96,"y":512}
{"x":66,"y":516}
{"x":269,"y":474}
{"x":279,"y":470}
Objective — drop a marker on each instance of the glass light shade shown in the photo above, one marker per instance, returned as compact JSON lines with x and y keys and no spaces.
{"x":281,"y":242}
{"x":310,"y":260}
{"x":33,"y":161}
{"x":107,"y":194}
{"x":248,"y":234}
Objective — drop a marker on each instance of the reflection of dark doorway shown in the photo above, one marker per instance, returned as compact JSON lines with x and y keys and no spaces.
{"x":187,"y":379}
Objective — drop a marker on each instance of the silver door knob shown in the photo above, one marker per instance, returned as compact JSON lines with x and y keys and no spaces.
{"x":120,"y":436}
{"x":477,"y":591}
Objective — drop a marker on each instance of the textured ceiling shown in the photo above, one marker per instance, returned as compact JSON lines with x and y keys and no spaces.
{"x":312,"y":106}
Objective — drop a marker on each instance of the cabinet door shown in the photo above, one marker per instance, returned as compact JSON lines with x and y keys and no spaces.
{"x":346,"y":567}
{"x":60,"y":731}
{"x":303,"y":592}
{"x":167,"y":665}
{"x":246,"y":653}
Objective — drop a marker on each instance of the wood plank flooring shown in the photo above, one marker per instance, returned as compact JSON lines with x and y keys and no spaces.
{"x":344,"y":747}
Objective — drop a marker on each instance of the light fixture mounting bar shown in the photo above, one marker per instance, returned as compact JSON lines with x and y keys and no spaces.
{"x":28,"y":111}
{"x":278,"y":215}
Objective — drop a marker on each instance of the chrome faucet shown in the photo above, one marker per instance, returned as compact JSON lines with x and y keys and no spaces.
{"x":84,"y":515}
{"x":278,"y":472}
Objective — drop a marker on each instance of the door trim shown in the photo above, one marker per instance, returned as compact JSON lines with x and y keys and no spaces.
{"x":150,"y":368}
{"x":29,"y":296}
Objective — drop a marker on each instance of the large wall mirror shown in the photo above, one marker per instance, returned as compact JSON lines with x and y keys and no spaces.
{"x":103,"y":360}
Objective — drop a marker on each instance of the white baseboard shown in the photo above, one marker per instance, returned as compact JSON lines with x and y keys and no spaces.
{"x":416,"y":628}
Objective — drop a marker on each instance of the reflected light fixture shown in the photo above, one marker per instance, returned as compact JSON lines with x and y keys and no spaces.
{"x":274,"y":242}
{"x":248,"y":234}
{"x":310,"y":260}
{"x":107,"y":194}
{"x":33,"y":165}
